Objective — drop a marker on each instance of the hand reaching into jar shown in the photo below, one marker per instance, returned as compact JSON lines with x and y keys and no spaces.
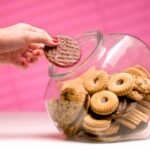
{"x":22,"y":44}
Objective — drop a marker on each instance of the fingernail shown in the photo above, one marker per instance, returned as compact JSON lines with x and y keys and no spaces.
{"x":23,"y":63}
{"x":37,"y":53}
{"x":31,"y":60}
{"x":55,"y":40}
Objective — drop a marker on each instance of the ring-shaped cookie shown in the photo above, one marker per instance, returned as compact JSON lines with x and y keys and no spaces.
{"x":104,"y":102}
{"x":121,"y":83}
{"x":95,"y":81}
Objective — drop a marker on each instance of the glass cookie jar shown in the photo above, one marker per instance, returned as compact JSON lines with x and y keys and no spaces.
{"x":105,"y":97}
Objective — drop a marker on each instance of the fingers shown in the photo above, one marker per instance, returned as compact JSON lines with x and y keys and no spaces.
{"x":38,"y":37}
{"x":34,"y":46}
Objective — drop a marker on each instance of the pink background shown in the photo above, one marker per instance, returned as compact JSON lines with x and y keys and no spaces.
{"x":23,"y":90}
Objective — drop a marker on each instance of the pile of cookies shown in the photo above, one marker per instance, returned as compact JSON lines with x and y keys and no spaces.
{"x":103,"y":107}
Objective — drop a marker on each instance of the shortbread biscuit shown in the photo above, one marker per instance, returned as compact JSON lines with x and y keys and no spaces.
{"x":145,"y":103}
{"x":104,"y":102}
{"x":132,"y":119}
{"x":132,"y":116}
{"x":140,"y":115}
{"x":135,"y":95}
{"x":143,"y":109}
{"x":95,"y":131}
{"x":95,"y":81}
{"x":88,"y":120}
{"x":121,"y":83}
{"x":126,"y":123}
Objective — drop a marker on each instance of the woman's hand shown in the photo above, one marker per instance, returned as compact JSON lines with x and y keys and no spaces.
{"x":22,"y":44}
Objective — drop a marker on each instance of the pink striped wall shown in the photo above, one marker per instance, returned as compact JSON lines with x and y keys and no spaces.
{"x":24,"y":89}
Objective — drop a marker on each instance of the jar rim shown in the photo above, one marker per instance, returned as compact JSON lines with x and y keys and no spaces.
{"x":99,"y":38}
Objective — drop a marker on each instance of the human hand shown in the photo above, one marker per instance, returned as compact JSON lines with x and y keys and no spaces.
{"x":22,"y":44}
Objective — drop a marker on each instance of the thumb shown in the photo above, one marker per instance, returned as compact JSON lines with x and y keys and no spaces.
{"x":39,"y":37}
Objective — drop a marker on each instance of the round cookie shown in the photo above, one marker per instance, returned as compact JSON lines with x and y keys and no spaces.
{"x":88,"y":120}
{"x":136,"y":72}
{"x":67,"y":111}
{"x":112,"y":130}
{"x":75,"y":126}
{"x":73,"y":90}
{"x":142,"y":84}
{"x":65,"y":54}
{"x":121,"y":83}
{"x":144,"y":70}
{"x":104,"y":102}
{"x":95,"y":81}
{"x":135,"y":95}
{"x":95,"y":131}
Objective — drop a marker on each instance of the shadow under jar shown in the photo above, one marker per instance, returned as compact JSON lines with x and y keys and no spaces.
{"x":105,"y":97}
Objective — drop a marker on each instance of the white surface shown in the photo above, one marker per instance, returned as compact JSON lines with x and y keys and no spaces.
{"x":25,"y":131}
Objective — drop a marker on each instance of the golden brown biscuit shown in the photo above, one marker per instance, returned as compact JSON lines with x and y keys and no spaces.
{"x":73,"y":90}
{"x":75,"y":126}
{"x":136,"y":72}
{"x":104,"y":102}
{"x":135,"y":95}
{"x":126,"y":123}
{"x":95,"y":81}
{"x":88,"y":120}
{"x":68,"y":111}
{"x":145,"y":103}
{"x":132,"y":119}
{"x":142,"y":84}
{"x":143,"y":109}
{"x":132,"y":116}
{"x":144,"y":70}
{"x":140,"y":115}
{"x":147,"y":97}
{"x":95,"y":131}
{"x":121,"y":83}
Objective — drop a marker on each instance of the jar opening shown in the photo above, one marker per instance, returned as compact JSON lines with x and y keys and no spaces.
{"x":89,"y":42}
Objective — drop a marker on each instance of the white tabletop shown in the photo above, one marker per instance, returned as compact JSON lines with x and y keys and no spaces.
{"x":35,"y":130}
